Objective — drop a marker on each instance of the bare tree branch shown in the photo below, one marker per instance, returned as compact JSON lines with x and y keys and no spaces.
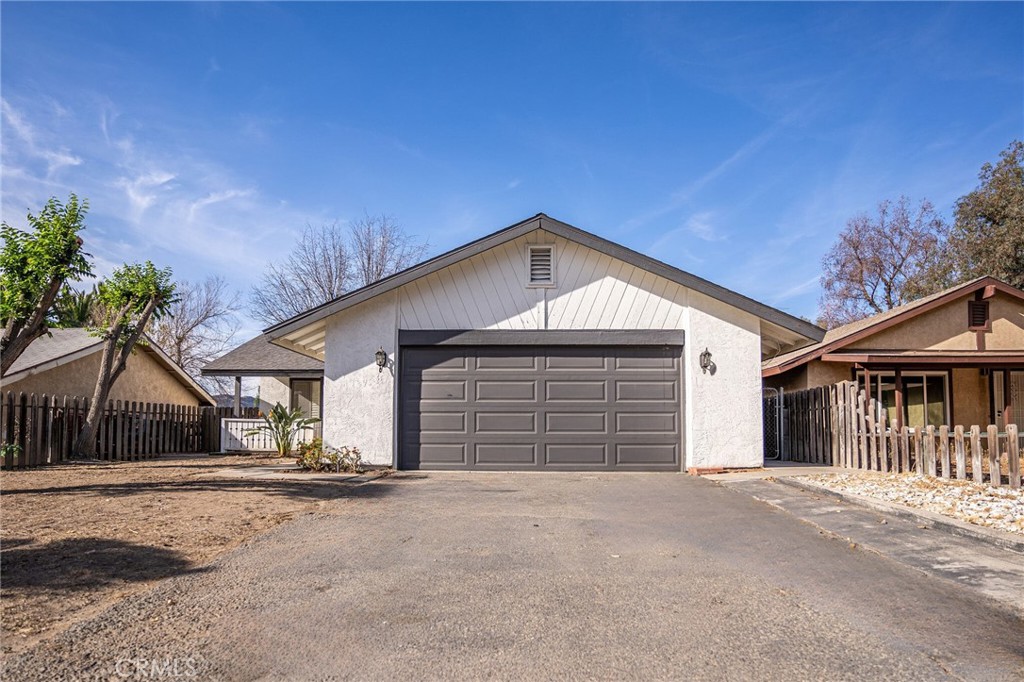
{"x":873,"y":265}
{"x":199,"y":327}
{"x":329,"y":261}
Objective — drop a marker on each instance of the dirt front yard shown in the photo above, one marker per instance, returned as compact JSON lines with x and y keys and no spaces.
{"x":75,"y":537}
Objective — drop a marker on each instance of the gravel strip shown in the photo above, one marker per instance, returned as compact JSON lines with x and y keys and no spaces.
{"x":977,"y":503}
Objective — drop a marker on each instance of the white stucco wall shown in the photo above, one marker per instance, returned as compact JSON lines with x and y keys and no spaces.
{"x":722,"y":411}
{"x":273,"y":390}
{"x":723,"y":406}
{"x":359,"y":407}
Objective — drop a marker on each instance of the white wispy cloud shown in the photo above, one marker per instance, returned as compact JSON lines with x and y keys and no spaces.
{"x":147,"y":200}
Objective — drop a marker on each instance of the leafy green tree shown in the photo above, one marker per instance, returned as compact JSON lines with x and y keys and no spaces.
{"x":133,"y":296}
{"x":77,"y":308}
{"x":987,"y":235}
{"x":283,"y":425}
{"x":34,"y":266}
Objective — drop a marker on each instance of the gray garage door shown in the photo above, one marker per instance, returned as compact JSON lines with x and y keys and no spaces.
{"x":564,"y":408}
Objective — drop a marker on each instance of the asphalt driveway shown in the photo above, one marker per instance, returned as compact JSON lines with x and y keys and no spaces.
{"x":544,"y":576}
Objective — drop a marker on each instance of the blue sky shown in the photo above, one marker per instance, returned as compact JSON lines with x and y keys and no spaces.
{"x":730,"y":140}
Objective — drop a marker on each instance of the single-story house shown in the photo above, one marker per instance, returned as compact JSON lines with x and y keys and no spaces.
{"x":544,"y":347}
{"x":955,"y":357}
{"x":67,"y":361}
{"x":285,"y":376}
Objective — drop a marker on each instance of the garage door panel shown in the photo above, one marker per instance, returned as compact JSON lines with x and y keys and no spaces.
{"x":580,"y":391}
{"x":489,"y":362}
{"x":565,"y":408}
{"x":656,"y":363}
{"x":443,"y":453}
{"x":438,"y":390}
{"x":645,"y":422}
{"x":435,"y":361}
{"x":503,"y":454}
{"x":506,"y":422}
{"x":505,"y":391}
{"x":646,"y":455}
{"x":575,"y":422}
{"x":645,"y":391}
{"x":443,"y":422}
{"x":595,"y":454}
{"x":575,"y":363}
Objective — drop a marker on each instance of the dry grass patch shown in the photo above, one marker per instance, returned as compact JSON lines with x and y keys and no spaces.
{"x":75,"y":537}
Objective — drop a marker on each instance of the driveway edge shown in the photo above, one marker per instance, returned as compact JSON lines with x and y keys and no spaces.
{"x":936,"y":521}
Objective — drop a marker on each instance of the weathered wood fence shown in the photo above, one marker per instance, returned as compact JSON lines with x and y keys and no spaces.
{"x":40,"y":430}
{"x":840,"y":426}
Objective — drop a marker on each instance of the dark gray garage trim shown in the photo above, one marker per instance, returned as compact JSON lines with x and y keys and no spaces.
{"x":503,"y":337}
{"x":592,"y":407}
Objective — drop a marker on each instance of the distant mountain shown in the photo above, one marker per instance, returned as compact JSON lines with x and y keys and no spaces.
{"x":228,"y":400}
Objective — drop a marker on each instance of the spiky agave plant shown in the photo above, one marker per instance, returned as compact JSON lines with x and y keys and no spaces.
{"x":283,"y":424}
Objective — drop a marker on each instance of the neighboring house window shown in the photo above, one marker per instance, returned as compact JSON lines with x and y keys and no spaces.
{"x":925,"y":396}
{"x":1016,"y":397}
{"x":306,"y":396}
{"x":977,"y":315}
{"x":541,"y":264}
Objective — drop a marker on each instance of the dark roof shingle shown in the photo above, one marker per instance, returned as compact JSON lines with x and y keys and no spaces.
{"x":260,"y":357}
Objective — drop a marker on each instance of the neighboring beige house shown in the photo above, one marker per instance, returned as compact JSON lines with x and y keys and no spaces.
{"x":285,"y":377}
{"x":67,"y":362}
{"x":955,"y":357}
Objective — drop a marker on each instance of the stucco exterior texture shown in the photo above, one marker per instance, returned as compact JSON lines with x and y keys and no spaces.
{"x":942,"y":329}
{"x":592,"y":291}
{"x":143,"y":380}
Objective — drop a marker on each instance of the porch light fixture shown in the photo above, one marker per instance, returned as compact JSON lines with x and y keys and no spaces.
{"x":382,"y":359}
{"x":705,"y":361}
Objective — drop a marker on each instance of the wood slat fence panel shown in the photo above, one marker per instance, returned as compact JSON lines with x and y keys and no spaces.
{"x":40,"y":430}
{"x":840,"y":426}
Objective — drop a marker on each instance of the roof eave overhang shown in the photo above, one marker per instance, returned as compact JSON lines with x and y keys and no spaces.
{"x":973,"y":360}
{"x":777,"y":317}
{"x":987,"y":285}
{"x":298,"y":374}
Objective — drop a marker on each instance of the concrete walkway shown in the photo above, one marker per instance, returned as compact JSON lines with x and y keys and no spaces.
{"x":996,"y":573}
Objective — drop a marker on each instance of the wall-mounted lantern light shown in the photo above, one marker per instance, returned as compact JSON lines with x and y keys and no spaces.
{"x":382,"y":359}
{"x":705,"y":361}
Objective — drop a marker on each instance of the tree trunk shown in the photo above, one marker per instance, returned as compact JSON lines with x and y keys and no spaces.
{"x":85,"y":444}
{"x":112,"y":364}
{"x":19,"y":337}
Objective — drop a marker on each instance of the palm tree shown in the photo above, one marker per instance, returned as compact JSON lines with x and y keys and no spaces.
{"x":75,"y":308}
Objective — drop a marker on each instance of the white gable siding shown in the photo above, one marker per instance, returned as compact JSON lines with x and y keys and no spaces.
{"x":722,"y":410}
{"x":592,"y":291}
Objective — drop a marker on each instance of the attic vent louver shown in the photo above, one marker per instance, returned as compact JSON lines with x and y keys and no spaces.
{"x":977,"y":315}
{"x":542,"y":265}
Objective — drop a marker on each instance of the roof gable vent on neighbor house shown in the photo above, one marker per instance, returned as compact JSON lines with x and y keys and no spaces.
{"x":541,"y":262}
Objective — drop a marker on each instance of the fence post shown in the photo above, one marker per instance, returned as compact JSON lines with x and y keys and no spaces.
{"x":976,"y":454}
{"x":929,"y":450}
{"x":883,"y":449}
{"x":944,"y":449}
{"x":995,"y":476}
{"x":961,"y":452}
{"x":894,"y":446}
{"x":919,"y":451}
{"x":1013,"y":455}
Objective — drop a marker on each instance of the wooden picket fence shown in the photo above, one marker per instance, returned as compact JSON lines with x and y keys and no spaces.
{"x":840,"y":426}
{"x":40,"y":430}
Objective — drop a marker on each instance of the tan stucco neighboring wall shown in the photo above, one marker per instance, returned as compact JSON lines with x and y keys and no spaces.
{"x":814,"y":373}
{"x":945,"y":328}
{"x":143,"y":380}
{"x":970,"y":398}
